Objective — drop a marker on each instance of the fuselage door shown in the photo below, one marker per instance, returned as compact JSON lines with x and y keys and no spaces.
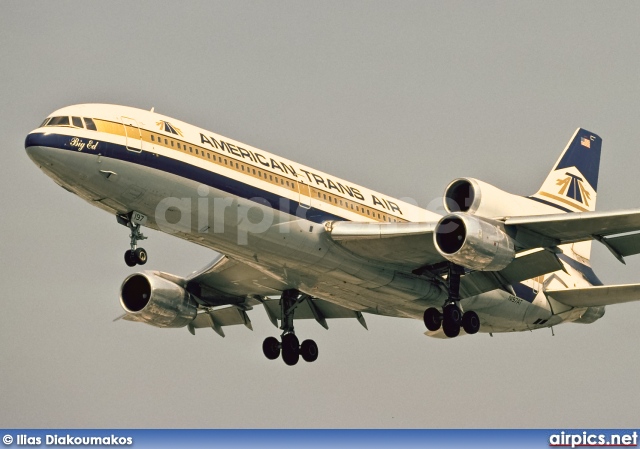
{"x":132,"y":134}
{"x":304,"y":192}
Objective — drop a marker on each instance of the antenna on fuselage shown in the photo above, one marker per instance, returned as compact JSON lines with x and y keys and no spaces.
{"x":152,"y":108}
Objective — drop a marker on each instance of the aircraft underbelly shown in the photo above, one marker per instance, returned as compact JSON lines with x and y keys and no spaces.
{"x":289,"y":247}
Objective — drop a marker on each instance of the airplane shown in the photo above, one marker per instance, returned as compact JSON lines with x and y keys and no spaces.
{"x":304,"y":244}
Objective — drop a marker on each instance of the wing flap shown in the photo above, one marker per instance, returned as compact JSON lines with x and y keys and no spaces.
{"x":317,"y":309}
{"x":596,"y":296}
{"x":625,"y":245}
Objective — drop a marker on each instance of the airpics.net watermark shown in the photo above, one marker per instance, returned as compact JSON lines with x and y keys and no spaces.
{"x":66,"y":440}
{"x":593,"y":439}
{"x":209,"y":214}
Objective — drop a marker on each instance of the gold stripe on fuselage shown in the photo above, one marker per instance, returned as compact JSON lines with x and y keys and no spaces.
{"x":171,"y":142}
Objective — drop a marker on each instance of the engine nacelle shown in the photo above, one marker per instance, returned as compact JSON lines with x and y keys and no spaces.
{"x":151,"y":299}
{"x":479,"y":198}
{"x":473,"y":243}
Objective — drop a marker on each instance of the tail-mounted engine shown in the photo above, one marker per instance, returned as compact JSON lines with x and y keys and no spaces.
{"x":479,"y":198}
{"x":151,"y":299}
{"x":473,"y":243}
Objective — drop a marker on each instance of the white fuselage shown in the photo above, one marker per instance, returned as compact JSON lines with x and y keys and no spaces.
{"x":261,"y":209}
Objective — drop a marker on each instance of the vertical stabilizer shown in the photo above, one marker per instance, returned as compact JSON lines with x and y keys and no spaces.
{"x":572,"y":184}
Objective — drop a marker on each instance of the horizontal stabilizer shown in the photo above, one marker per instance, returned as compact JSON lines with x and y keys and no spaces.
{"x":596,"y":296}
{"x":545,"y":230}
{"x":525,"y":266}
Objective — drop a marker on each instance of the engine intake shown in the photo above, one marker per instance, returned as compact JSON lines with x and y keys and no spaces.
{"x":473,"y":243}
{"x":479,"y":198}
{"x":151,"y":299}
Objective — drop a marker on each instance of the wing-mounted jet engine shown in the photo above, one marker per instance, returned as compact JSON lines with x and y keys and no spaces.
{"x":473,"y":242}
{"x":151,"y":299}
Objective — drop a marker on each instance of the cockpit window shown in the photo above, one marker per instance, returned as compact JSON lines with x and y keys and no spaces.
{"x":90,"y":124}
{"x":59,"y":121}
{"x":77,"y":122}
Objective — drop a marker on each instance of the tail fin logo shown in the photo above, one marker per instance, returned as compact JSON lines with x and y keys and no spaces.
{"x":572,"y":186}
{"x":168,"y":127}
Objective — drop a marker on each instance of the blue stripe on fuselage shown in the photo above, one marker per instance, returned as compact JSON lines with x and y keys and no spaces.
{"x":188,"y":171}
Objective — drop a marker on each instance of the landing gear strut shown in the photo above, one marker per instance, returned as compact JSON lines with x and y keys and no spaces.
{"x":134,"y":256}
{"x":452,"y":319}
{"x":289,"y":345}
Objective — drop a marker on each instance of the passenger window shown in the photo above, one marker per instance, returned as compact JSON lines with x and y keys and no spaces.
{"x":197,"y":151}
{"x":77,"y":122}
{"x":153,"y":138}
{"x":208,"y":156}
{"x":180,"y":148}
{"x":59,"y":121}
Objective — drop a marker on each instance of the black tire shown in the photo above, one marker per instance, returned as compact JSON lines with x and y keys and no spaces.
{"x":271,"y":348}
{"x":290,"y":349}
{"x":432,"y":319}
{"x":141,"y":256}
{"x":309,"y":351}
{"x":470,"y":322}
{"x":130,"y":258}
{"x":451,"y":313}
{"x":451,"y":328}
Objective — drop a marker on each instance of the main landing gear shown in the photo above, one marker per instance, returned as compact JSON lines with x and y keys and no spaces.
{"x":289,"y":345}
{"x":452,"y":319}
{"x":134,"y":256}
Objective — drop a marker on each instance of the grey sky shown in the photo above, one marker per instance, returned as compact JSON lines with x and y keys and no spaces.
{"x":401,"y":97}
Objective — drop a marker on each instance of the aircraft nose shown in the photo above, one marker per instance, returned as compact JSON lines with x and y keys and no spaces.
{"x":40,"y":150}
{"x":34,"y":148}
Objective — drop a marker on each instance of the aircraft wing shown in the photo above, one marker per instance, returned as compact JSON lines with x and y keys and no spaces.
{"x":596,"y":296}
{"x":556,"y":229}
{"x":226,"y":280}
{"x":408,"y":245}
{"x":227,"y":289}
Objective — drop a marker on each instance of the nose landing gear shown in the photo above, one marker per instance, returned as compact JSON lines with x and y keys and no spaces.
{"x":289,"y":346}
{"x":134,"y":256}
